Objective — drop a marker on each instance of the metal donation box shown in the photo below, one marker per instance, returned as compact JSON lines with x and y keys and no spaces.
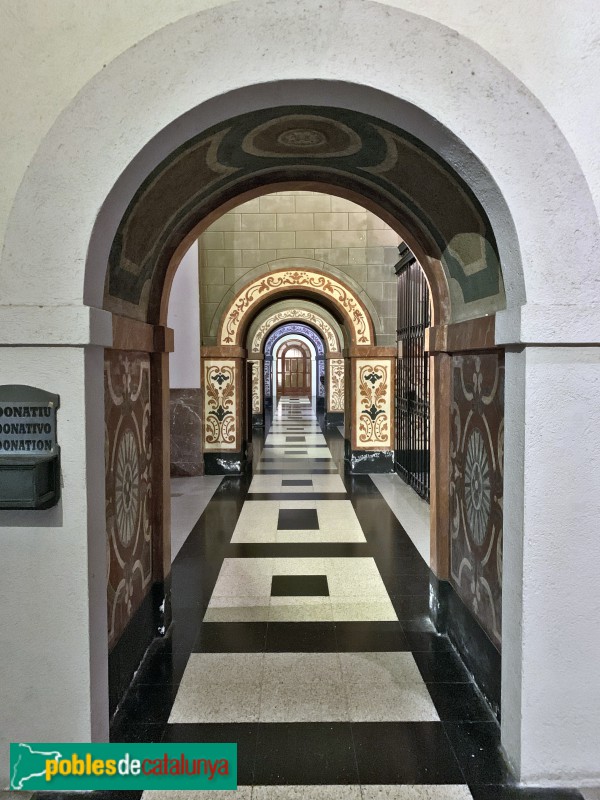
{"x":29,"y":453}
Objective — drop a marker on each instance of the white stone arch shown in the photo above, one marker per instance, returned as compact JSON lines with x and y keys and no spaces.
{"x":453,"y":86}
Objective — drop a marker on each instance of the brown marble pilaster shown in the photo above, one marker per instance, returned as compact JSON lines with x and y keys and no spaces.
{"x":440,"y":403}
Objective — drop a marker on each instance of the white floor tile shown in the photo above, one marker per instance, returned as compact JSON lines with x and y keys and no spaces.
{"x":306,"y":793}
{"x":372,"y":703}
{"x":303,"y":702}
{"x":424,"y":792}
{"x":241,"y":793}
{"x":234,"y":608}
{"x":295,"y":668}
{"x":357,"y":592}
{"x":380,"y":669}
{"x":216,"y":702}
{"x":223,"y":668}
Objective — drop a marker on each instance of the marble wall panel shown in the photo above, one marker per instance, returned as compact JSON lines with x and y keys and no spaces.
{"x":186,"y":432}
{"x":476,"y":474}
{"x":128,"y":474}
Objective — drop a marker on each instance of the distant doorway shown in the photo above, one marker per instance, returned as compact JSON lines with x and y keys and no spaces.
{"x":294,"y":368}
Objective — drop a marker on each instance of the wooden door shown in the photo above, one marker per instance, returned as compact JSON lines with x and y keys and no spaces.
{"x":294,"y":370}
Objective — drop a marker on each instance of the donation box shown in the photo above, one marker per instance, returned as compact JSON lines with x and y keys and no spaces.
{"x":29,"y":453}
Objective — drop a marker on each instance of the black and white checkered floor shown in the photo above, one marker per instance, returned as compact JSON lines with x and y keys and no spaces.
{"x":301,"y":632}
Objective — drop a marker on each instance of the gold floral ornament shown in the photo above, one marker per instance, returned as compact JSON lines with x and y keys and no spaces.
{"x":323,"y":284}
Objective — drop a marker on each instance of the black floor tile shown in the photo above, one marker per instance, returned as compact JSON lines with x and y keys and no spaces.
{"x":163,"y":668}
{"x":299,"y":586}
{"x":394,"y":569}
{"x":404,"y":752}
{"x":477,"y":747}
{"x":427,"y":642}
{"x":279,"y":496}
{"x":298,"y":519}
{"x":124,"y":732}
{"x":299,"y":550}
{"x":304,"y":753}
{"x":357,"y":637}
{"x":419,"y":625}
{"x":145,"y":704}
{"x":296,"y":439}
{"x":231,"y":637}
{"x":302,"y":637}
{"x":408,"y":584}
{"x":297,"y":482}
{"x":459,"y":702}
{"x":444,"y":667}
{"x":294,"y":453}
{"x":409,"y":606}
{"x":242,"y":734}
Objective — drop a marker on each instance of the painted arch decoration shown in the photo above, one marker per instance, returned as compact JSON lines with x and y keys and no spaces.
{"x":299,"y":329}
{"x":284,"y":281}
{"x":302,"y":315}
{"x":341,"y":148}
{"x":294,"y":327}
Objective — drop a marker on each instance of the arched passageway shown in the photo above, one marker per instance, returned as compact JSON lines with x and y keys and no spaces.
{"x":344,"y":315}
{"x":377,"y":137}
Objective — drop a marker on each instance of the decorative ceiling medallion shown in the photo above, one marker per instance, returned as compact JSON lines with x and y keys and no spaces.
{"x":302,"y":137}
{"x":298,"y":135}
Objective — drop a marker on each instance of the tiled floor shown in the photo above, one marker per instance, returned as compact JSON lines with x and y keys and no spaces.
{"x":301,"y":632}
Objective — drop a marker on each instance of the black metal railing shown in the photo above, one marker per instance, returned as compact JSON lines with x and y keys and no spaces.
{"x":412,"y":386}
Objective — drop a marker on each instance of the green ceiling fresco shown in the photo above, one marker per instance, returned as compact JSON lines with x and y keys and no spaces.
{"x":336,"y":146}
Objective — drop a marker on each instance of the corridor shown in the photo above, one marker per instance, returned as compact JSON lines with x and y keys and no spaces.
{"x":301,"y":633}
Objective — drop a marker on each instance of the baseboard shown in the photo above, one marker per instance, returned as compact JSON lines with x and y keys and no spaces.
{"x":451,"y":616}
{"x":150,"y":621}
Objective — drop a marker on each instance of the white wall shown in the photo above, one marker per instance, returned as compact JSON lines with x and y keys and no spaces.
{"x":550,"y":45}
{"x":184,"y":318}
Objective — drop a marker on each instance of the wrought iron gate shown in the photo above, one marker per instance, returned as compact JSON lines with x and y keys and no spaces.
{"x":412,"y":390}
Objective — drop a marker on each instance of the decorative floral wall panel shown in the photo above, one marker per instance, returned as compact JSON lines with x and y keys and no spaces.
{"x":128,"y":468}
{"x":336,"y":384}
{"x":476,"y":472}
{"x":373,"y":404}
{"x":220,"y":412}
{"x":256,"y":387}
